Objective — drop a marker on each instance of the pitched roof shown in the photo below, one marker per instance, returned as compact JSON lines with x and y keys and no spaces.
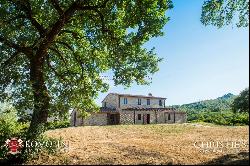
{"x":140,"y":96}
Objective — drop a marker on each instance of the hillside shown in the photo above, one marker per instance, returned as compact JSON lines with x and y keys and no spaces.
{"x":216,"y":111}
{"x":218,"y":104}
{"x":148,"y":144}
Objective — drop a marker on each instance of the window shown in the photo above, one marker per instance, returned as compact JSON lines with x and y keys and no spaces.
{"x":139,"y":101}
{"x":105,"y":104}
{"x":148,"y":101}
{"x":160,"y":102}
{"x":139,"y":116}
{"x":125,"y":101}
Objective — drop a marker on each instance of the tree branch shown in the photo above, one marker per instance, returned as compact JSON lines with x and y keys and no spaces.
{"x":81,"y":5}
{"x":9,"y":43}
{"x":81,"y":64}
{"x":78,"y":5}
{"x":62,"y":20}
{"x":78,"y":60}
{"x":56,"y":5}
{"x":26,"y":7}
{"x":54,"y":70}
{"x":66,"y":45}
{"x":104,"y":29}
{"x":7,"y":62}
{"x":59,"y":54}
{"x":25,"y":50}
{"x":15,"y":18}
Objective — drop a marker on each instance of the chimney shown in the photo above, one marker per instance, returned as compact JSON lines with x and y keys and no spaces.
{"x":150,"y":94}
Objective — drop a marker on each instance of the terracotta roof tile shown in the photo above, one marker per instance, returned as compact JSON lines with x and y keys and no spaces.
{"x":142,"y":96}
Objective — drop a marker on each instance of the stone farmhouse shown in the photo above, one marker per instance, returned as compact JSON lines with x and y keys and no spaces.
{"x":130,"y":109}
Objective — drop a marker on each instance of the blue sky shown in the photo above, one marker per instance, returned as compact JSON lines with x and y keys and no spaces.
{"x":199,"y":62}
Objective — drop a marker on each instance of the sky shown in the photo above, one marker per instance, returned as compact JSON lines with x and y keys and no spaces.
{"x":199,"y":62}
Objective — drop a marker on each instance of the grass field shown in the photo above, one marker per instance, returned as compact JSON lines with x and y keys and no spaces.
{"x":150,"y":144}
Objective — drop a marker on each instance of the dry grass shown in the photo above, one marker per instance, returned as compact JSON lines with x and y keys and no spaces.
{"x":146,"y":144}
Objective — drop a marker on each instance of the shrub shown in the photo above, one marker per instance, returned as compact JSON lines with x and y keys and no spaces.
{"x":222,"y":118}
{"x":9,"y":126}
{"x":57,"y":124}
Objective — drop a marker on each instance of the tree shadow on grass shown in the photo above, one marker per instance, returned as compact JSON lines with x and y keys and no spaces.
{"x":11,"y":160}
{"x":241,"y":158}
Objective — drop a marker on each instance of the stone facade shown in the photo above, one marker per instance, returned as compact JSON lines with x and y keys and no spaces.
{"x":114,"y":100}
{"x":126,"y":117}
{"x":110,"y":101}
{"x":155,"y":117}
{"x":126,"y":109}
{"x":133,"y":102}
{"x":95,"y":119}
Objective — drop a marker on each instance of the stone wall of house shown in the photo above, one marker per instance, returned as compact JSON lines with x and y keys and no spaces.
{"x":144,"y":113}
{"x":180,"y":118}
{"x":159,"y":117}
{"x":169,"y":117}
{"x":111,"y":101}
{"x":127,"y":117}
{"x":133,"y":102}
{"x":163,"y":117}
{"x":130,"y":117}
{"x":96,"y":119}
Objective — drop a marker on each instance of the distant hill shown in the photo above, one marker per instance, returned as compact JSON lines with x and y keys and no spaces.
{"x":228,"y":96}
{"x":214,"y":105}
{"x":217,"y":111}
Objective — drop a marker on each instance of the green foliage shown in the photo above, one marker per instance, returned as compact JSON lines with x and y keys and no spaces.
{"x":225,"y":12}
{"x":73,"y":43}
{"x":57,"y":124}
{"x":9,"y":126}
{"x":41,"y":145}
{"x":217,"y":111}
{"x":215,"y":105}
{"x":220,"y":118}
{"x":241,"y":103}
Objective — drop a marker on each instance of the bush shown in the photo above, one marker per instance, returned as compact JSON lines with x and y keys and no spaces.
{"x":9,"y":126}
{"x":57,"y":124}
{"x":221,"y":118}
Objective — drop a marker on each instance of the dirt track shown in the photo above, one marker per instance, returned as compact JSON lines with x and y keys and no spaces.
{"x":150,"y":144}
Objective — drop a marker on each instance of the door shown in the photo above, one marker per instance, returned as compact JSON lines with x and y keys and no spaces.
{"x":146,"y":118}
{"x":167,"y":117}
{"x":113,"y":119}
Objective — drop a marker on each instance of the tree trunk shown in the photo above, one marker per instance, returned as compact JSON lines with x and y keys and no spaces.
{"x":41,"y":98}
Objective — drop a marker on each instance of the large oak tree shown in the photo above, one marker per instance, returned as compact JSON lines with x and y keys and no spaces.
{"x":54,"y":51}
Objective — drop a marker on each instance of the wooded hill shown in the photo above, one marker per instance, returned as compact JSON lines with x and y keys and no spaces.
{"x":218,"y":111}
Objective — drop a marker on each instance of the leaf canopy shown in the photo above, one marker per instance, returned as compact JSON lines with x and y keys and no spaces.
{"x":82,"y":40}
{"x":225,"y":12}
